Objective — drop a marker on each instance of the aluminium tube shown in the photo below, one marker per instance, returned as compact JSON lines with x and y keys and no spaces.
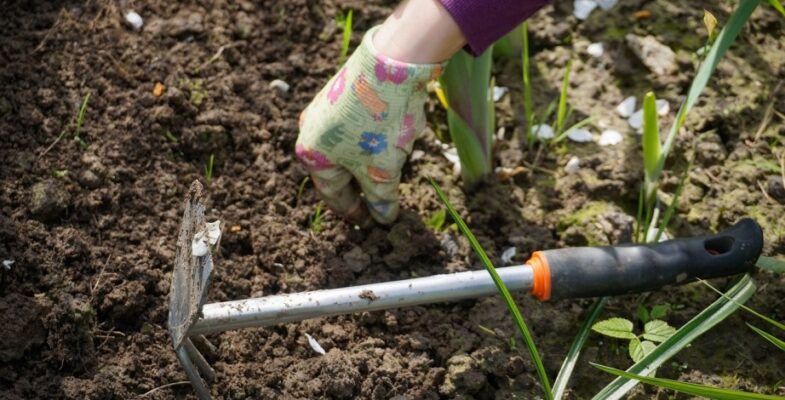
{"x":271,"y":310}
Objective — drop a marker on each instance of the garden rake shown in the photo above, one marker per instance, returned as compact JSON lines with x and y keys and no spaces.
{"x":549,"y":274}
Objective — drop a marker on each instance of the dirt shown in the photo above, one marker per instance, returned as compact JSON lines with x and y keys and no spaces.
{"x":91,"y":227}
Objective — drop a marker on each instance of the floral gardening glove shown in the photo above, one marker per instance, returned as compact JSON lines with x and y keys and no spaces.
{"x":361,"y":127}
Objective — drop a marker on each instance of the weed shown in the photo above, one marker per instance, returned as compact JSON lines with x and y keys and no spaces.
{"x":79,"y":120}
{"x":197,"y":92}
{"x":315,"y":221}
{"x":208,"y":169}
{"x":170,"y":136}
{"x":60,"y":173}
{"x":437,"y":220}
{"x":345,"y":22}
{"x":640,"y":345}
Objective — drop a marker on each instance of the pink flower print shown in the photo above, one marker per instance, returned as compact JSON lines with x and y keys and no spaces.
{"x":312,"y":159}
{"x":389,"y":70}
{"x":336,"y":89}
{"x":407,"y":131}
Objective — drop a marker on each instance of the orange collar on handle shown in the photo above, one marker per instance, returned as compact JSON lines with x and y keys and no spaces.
{"x":542,"y":276}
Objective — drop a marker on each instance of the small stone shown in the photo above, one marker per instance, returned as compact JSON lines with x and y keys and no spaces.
{"x":776,"y":189}
{"x":582,"y":8}
{"x":610,"y":138}
{"x":573,"y":165}
{"x":636,"y":120}
{"x":626,"y":107}
{"x":89,"y":179}
{"x":185,"y":23}
{"x":580,"y":135}
{"x":656,"y":56}
{"x":48,"y":200}
{"x":595,"y":50}
{"x":543,"y":131}
{"x":280,"y":85}
{"x":134,"y":20}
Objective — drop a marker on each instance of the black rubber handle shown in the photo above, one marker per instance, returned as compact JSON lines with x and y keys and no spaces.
{"x":615,"y":270}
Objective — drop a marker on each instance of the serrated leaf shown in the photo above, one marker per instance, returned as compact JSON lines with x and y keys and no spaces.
{"x":659,"y":311}
{"x":658,"y":330}
{"x":620,"y":328}
{"x":639,"y":349}
{"x":643,"y":314}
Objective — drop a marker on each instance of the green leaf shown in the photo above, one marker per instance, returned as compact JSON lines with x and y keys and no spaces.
{"x":771,"y":264}
{"x":561,"y":113}
{"x":652,"y":149}
{"x":437,"y":220}
{"x":505,"y":293}
{"x":700,"y":324}
{"x":639,"y":349}
{"x":772,"y":322}
{"x":658,"y":330}
{"x":710,"y":22}
{"x":660,"y":310}
{"x":688,"y":388}
{"x":768,"y":336}
{"x":568,"y":365}
{"x":643,"y":314}
{"x":620,"y":328}
{"x":778,"y":6}
{"x":347,"y":35}
{"x":528,"y":105}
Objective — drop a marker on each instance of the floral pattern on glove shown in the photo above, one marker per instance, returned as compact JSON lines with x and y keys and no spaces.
{"x":312,"y":159}
{"x":337,"y":87}
{"x":373,"y":143}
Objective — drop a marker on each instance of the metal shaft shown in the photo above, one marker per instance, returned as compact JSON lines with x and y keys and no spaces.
{"x":271,"y":310}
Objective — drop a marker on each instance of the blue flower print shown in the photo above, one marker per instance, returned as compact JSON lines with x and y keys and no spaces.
{"x":373,"y":143}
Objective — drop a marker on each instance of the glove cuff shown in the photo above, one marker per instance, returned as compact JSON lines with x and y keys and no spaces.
{"x":390,"y":70}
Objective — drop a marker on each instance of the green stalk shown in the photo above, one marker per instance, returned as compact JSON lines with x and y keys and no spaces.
{"x":652,"y":149}
{"x":528,"y":106}
{"x":470,"y":117}
{"x":561,"y":114}
{"x":768,"y":336}
{"x":347,"y":35}
{"x":505,"y":293}
{"x":565,"y":372}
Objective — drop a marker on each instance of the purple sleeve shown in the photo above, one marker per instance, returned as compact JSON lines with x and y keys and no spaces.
{"x":484,"y":21}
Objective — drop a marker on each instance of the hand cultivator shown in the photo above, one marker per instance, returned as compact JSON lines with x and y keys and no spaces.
{"x":549,"y":274}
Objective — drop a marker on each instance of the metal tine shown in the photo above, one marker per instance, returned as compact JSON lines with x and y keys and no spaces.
{"x":205,"y":345}
{"x":193,"y":375}
{"x":198,"y":359}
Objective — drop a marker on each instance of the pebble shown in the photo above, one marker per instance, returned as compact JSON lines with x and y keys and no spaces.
{"x":595,"y":50}
{"x":134,"y":19}
{"x":280,"y":85}
{"x":610,"y":138}
{"x":580,"y":135}
{"x":48,"y":200}
{"x":626,"y":107}
{"x":543,"y":131}
{"x":776,"y":189}
{"x":573,"y":165}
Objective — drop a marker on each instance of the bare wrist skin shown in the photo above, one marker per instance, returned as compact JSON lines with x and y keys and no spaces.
{"x":419,"y":32}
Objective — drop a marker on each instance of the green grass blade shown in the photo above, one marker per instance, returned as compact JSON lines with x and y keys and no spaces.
{"x":771,"y":264}
{"x":771,"y":322}
{"x":580,"y":124}
{"x":561,"y":114}
{"x":652,"y":149}
{"x":505,"y":293}
{"x":705,"y":320}
{"x":721,"y":44}
{"x":778,"y":6}
{"x":347,"y":35}
{"x":687,"y":388}
{"x":528,"y":106}
{"x":474,"y":163}
{"x":768,"y":336}
{"x":565,"y":372}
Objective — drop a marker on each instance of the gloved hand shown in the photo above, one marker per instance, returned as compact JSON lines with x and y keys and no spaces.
{"x":360,"y":128}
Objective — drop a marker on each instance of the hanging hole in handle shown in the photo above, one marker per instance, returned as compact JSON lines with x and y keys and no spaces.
{"x":718,"y":246}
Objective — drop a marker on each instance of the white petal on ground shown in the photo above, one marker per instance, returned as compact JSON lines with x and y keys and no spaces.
{"x":451,"y":154}
{"x":573,"y":165}
{"x":213,"y":232}
{"x":417,"y":154}
{"x":580,"y":135}
{"x":315,"y":345}
{"x":636,"y":120}
{"x":595,"y":50}
{"x":199,"y":245}
{"x":500,"y":133}
{"x":280,"y":85}
{"x":499,"y":92}
{"x":7,"y":264}
{"x":543,"y":131}
{"x":134,"y":19}
{"x":508,"y":255}
{"x":626,"y":107}
{"x":610,"y":138}
{"x":663,"y":107}
{"x":582,"y":8}
{"x":606,"y":4}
